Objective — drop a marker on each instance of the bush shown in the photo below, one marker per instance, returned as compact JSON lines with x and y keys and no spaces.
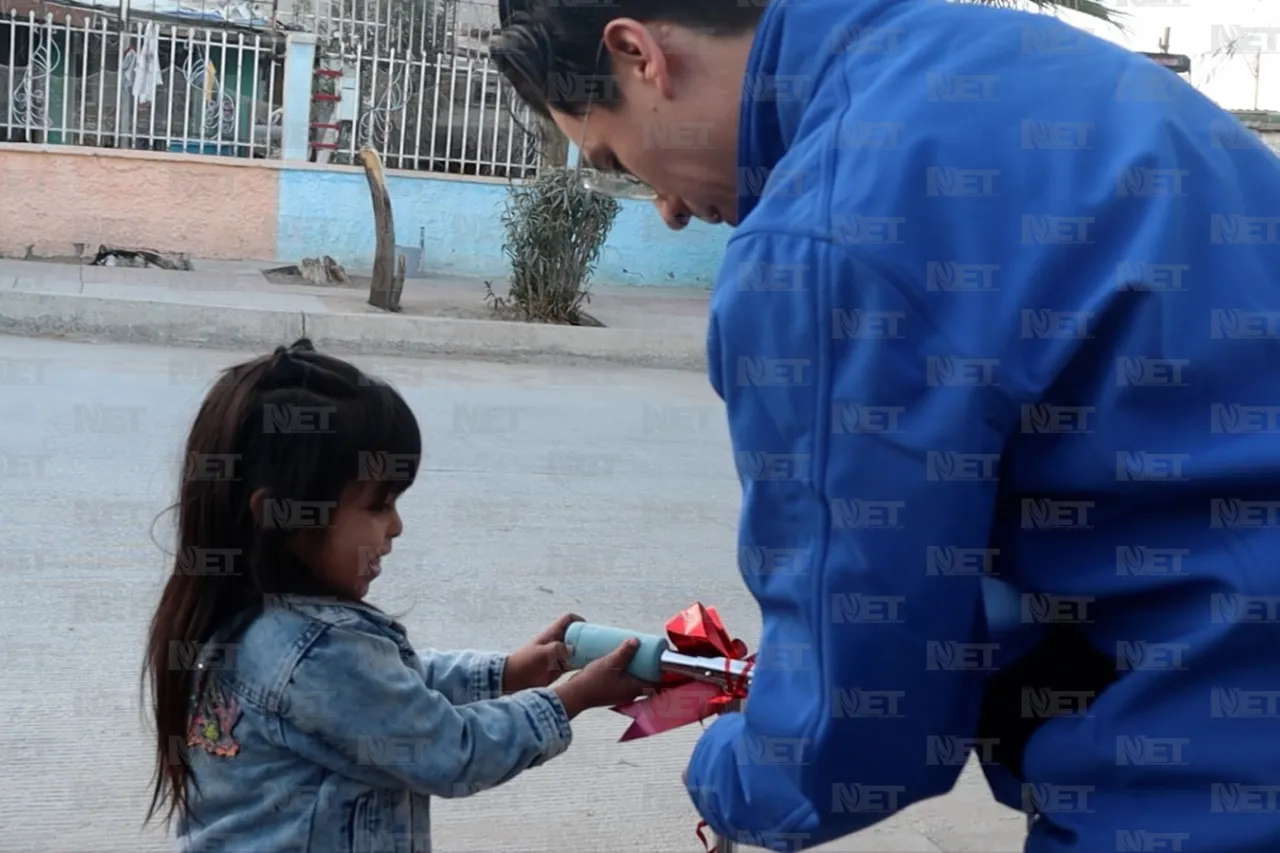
{"x":555,"y":231}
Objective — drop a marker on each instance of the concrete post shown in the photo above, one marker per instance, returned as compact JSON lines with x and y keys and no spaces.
{"x":299,"y":70}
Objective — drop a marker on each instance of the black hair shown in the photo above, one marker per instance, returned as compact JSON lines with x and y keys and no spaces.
{"x":552,"y":54}
{"x":300,"y":427}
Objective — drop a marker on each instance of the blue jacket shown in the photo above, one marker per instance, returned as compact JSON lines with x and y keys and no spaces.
{"x":1004,"y":299}
{"x":331,"y":733}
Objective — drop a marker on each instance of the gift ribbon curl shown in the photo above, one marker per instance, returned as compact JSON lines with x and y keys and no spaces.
{"x":698,"y":632}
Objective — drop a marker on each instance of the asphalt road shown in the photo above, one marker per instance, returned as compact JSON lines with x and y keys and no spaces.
{"x":609,"y":492}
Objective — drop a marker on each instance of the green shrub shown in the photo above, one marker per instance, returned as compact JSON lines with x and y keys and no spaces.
{"x":555,"y":229}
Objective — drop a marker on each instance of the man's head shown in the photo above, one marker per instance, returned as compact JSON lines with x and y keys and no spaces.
{"x":649,"y":88}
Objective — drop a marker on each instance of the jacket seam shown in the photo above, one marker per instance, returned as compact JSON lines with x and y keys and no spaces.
{"x":894,"y":281}
{"x":342,"y":612}
{"x":491,"y":675}
{"x":821,"y":404}
{"x":550,"y":716}
{"x":256,"y":699}
{"x":300,"y":650}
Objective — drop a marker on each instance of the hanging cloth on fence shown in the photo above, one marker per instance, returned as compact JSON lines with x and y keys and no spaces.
{"x":146,"y":76}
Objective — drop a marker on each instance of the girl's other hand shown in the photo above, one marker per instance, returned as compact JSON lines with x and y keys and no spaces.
{"x":604,"y":682}
{"x":541,"y":661}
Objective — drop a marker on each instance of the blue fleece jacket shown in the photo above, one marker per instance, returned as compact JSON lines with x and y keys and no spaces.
{"x":1004,"y":299}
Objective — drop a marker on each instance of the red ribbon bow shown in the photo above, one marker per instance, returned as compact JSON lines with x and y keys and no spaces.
{"x":696,"y":630}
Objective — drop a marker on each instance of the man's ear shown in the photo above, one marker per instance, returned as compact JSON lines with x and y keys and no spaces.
{"x":636,"y":54}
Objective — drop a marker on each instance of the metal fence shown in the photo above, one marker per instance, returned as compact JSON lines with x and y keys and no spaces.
{"x":412,"y":79}
{"x":80,"y":80}
{"x":193,"y":88}
{"x":437,"y":114}
{"x":425,"y":26}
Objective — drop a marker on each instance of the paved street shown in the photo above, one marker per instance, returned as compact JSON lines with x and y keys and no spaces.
{"x":609,"y":492}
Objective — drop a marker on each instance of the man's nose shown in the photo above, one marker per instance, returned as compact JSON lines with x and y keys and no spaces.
{"x":673,"y":211}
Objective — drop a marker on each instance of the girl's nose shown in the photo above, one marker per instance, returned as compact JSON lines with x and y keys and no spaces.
{"x":673,"y":211}
{"x":397,"y":526}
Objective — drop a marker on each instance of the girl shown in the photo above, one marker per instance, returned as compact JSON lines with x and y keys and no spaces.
{"x":290,"y":716}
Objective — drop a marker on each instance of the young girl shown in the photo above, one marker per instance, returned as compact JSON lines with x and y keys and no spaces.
{"x":290,"y":716}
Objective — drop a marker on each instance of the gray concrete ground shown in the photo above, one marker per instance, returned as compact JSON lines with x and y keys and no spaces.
{"x":230,"y":304}
{"x":607,"y":491}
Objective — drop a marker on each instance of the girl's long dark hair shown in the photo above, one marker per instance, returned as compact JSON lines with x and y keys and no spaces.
{"x":297,"y":427}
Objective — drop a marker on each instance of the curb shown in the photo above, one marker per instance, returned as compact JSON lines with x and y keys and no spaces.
{"x":168,"y":323}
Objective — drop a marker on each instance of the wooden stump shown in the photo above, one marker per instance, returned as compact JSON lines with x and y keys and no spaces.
{"x":388,"y":276}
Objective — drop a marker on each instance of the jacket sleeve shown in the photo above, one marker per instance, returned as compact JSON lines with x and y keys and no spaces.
{"x":867,"y":445}
{"x":354,"y":706}
{"x":463,"y":676}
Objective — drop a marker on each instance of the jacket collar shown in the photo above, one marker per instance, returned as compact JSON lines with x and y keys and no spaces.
{"x":769,"y":114}
{"x":795,"y":44}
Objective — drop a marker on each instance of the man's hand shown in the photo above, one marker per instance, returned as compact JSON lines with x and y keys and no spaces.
{"x":543,"y":660}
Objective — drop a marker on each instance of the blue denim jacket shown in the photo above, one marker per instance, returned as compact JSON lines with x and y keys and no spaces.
{"x":341,"y":733}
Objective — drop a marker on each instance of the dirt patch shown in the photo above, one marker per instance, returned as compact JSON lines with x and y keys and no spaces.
{"x":420,"y":299}
{"x":442,"y":305}
{"x":290,"y":275}
{"x":429,"y":305}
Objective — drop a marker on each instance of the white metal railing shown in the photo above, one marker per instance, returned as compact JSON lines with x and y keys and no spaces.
{"x":79,"y":80}
{"x":425,"y":26}
{"x":437,"y":114}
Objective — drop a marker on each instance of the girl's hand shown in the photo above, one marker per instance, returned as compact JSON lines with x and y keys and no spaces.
{"x":604,"y":682}
{"x":543,"y":660}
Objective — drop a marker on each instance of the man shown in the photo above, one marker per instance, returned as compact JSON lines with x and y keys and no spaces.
{"x":1006,"y":305}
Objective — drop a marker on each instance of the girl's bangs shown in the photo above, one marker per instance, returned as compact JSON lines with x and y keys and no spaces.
{"x":385,"y":438}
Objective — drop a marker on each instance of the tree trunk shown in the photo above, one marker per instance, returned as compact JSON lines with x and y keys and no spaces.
{"x":388,"y":279}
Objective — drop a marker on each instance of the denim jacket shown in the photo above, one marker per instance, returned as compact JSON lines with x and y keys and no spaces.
{"x":319,"y":729}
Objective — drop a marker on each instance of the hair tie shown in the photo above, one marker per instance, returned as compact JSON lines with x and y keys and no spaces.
{"x":283,"y":371}
{"x":287,"y":370}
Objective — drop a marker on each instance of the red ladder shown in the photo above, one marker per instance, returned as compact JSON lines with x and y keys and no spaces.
{"x":328,"y":130}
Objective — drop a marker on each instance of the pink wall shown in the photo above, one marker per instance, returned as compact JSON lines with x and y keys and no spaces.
{"x":54,"y":197}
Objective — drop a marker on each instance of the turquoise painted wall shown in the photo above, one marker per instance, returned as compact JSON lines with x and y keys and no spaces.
{"x":328,"y":212}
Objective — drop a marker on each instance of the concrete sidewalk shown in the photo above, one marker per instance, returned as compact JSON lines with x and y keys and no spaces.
{"x":232,"y":305}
